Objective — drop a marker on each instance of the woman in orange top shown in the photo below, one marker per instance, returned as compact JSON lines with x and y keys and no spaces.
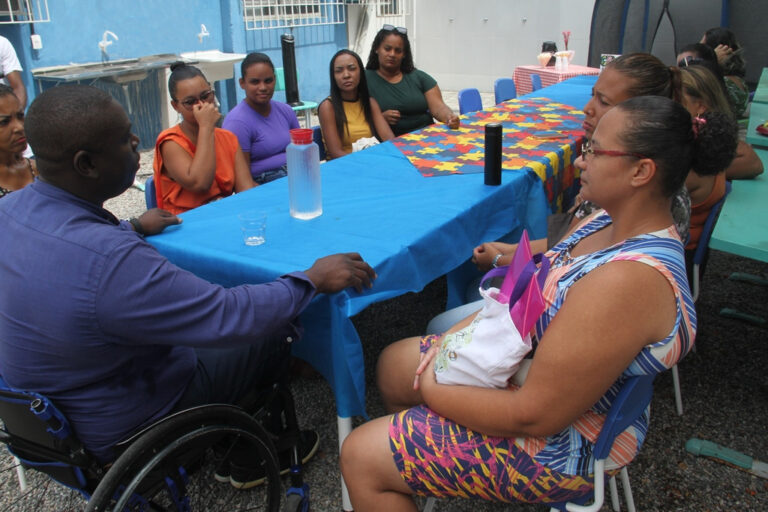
{"x":702,"y":92}
{"x":195,"y":162}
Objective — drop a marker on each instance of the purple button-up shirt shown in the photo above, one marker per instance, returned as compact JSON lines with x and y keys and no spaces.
{"x":97,"y":320}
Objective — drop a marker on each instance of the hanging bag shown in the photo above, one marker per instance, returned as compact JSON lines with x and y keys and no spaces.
{"x":487,"y":352}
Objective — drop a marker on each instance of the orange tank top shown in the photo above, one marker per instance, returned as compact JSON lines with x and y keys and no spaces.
{"x":176,"y":199}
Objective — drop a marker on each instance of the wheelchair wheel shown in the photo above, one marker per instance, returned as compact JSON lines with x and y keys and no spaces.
{"x":171,"y":466}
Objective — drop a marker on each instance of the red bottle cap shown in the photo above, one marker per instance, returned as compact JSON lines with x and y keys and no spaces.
{"x":301,"y":135}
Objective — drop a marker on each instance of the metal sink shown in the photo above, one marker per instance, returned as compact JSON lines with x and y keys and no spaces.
{"x":116,"y":71}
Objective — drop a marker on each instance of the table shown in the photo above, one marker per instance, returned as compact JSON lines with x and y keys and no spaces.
{"x":411,"y":229}
{"x":549,"y":76}
{"x":758,"y":114}
{"x":761,"y":91}
{"x":742,"y":227}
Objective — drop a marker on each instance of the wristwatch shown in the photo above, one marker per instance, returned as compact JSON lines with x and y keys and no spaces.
{"x":495,"y":263}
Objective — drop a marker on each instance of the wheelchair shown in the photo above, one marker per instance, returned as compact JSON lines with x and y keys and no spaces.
{"x":167,"y":466}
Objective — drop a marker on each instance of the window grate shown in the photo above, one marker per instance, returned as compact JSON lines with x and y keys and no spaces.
{"x":386,"y":8}
{"x":266,"y":14}
{"x":24,"y":11}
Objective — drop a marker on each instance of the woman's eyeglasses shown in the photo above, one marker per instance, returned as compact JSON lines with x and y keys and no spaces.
{"x":391,"y":28}
{"x":587,"y":149}
{"x":189,"y":103}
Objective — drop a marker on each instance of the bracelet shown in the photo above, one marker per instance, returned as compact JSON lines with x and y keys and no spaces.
{"x":496,"y":258}
{"x":137,"y":226}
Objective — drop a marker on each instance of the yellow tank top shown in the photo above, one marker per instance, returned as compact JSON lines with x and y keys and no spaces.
{"x":357,"y":125}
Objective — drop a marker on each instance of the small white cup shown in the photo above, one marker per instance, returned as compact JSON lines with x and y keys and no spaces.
{"x":254,"y":227}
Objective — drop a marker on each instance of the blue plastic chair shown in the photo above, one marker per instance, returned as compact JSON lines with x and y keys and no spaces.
{"x":317,"y":138}
{"x":702,"y":249}
{"x":504,"y":89}
{"x":149,"y":193}
{"x":630,"y":403}
{"x":469,"y":100}
{"x":535,"y":82}
{"x":699,"y":257}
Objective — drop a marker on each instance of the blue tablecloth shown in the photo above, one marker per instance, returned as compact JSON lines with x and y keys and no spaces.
{"x":411,"y":229}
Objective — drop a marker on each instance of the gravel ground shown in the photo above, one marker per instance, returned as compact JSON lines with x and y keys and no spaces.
{"x":725,"y":395}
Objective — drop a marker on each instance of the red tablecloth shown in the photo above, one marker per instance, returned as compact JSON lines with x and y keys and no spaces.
{"x":548,"y":75}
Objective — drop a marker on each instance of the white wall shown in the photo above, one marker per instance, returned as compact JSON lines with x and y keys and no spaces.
{"x":470,"y":43}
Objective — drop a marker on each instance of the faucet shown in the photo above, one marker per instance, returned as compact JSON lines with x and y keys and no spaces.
{"x":106,"y":42}
{"x":203,"y":33}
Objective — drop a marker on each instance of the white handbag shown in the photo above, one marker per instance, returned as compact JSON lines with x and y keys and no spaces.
{"x":489,"y":350}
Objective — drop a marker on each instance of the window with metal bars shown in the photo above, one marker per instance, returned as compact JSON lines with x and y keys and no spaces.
{"x":264,"y":14}
{"x":24,"y":11}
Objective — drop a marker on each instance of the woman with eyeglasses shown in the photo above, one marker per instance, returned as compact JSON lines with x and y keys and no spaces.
{"x":619,"y":306}
{"x":261,"y":124}
{"x":631,"y":75}
{"x":349,"y":113}
{"x":16,"y":170}
{"x":409,"y":98}
{"x":196,"y":162}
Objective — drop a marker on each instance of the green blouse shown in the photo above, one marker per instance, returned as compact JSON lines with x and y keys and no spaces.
{"x":406,"y":96}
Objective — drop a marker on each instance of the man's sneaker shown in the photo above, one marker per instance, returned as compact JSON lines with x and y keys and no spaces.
{"x":244,"y":476}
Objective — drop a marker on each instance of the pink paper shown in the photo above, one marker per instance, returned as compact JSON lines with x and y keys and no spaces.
{"x":522,"y":256}
{"x":527,"y":310}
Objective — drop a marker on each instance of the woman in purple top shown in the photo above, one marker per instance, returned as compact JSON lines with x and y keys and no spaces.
{"x":261,"y":124}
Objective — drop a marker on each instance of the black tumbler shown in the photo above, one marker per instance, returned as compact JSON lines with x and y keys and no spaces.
{"x":493,"y":154}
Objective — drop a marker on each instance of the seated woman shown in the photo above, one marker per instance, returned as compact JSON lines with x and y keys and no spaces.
{"x":349,"y":113}
{"x":16,"y":171}
{"x":731,"y":59}
{"x":195,"y":162}
{"x":534,"y":442}
{"x":636,"y":74}
{"x":702,"y":93}
{"x":409,"y":98}
{"x":261,"y":124}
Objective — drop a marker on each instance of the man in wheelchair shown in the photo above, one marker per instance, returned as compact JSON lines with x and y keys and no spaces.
{"x":94,"y":318}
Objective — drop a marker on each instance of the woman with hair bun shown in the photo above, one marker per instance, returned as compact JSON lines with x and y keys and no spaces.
{"x":618,"y":306}
{"x":196,"y":162}
{"x":262,"y":125}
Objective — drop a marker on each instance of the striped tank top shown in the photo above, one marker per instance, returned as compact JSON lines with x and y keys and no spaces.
{"x":570,"y":451}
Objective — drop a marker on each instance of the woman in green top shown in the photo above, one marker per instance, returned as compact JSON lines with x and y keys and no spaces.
{"x":408,"y":97}
{"x":729,"y":57}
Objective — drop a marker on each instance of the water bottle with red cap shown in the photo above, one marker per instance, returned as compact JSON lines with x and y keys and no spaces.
{"x":304,"y":187}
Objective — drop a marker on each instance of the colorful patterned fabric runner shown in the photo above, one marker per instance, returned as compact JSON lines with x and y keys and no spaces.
{"x":539,"y":135}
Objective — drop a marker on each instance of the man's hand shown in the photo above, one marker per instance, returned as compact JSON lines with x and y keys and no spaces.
{"x":338,"y":271}
{"x":156,"y":220}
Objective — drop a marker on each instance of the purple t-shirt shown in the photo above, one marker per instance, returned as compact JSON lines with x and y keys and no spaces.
{"x":265,"y":138}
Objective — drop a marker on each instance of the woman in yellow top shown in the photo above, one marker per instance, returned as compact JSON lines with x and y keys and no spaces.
{"x":196,"y":162}
{"x":349,"y":113}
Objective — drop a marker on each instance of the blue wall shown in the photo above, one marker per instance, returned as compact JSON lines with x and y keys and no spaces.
{"x":150,"y":27}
